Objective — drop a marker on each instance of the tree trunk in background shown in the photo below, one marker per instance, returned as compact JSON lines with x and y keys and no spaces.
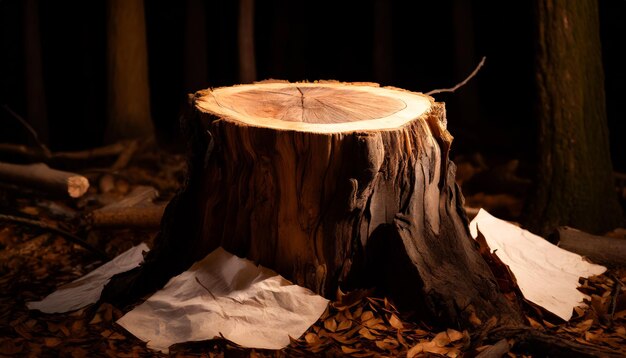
{"x":127,"y":71}
{"x":383,"y":42}
{"x":245,"y":38}
{"x":36,"y":113}
{"x":575,"y":183}
{"x":196,"y":44}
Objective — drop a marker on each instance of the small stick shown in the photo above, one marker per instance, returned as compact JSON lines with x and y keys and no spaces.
{"x":67,"y":235}
{"x":460,"y":84}
{"x":30,"y":129}
{"x":616,"y":290}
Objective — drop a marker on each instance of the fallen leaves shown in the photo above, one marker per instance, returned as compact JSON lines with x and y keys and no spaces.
{"x":33,"y":263}
{"x":363,"y":326}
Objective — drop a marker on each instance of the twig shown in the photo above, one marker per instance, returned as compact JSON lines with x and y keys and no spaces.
{"x":460,"y":84}
{"x":30,"y":129}
{"x":616,"y":290}
{"x":206,"y":288}
{"x":125,"y":156}
{"x":38,"y":155}
{"x":67,"y":235}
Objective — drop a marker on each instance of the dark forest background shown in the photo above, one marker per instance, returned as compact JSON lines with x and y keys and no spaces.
{"x":192,"y":45}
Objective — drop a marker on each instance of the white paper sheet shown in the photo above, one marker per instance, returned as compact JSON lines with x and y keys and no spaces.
{"x":87,"y":289}
{"x":546,"y":274}
{"x":248,"y":304}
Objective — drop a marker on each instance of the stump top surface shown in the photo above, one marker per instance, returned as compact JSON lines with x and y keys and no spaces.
{"x":315,"y":107}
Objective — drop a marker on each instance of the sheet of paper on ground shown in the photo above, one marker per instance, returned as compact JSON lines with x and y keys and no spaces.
{"x":546,"y":274}
{"x":87,"y":289}
{"x":224,"y":294}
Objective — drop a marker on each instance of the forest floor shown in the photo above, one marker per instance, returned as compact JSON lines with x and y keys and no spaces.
{"x":34,"y":260}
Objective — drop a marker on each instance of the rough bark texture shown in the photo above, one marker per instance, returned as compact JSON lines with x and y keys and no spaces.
{"x":357,"y":208}
{"x":575,"y":184}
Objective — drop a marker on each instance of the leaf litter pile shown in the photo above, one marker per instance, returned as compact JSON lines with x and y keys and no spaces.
{"x":34,"y":260}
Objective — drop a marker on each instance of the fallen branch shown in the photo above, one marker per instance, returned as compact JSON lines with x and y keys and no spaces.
{"x":38,"y":155}
{"x":530,"y":340}
{"x":460,"y":84}
{"x":599,"y":249}
{"x":41,"y":177}
{"x":67,"y":235}
{"x":136,"y":210}
{"x":148,"y":217}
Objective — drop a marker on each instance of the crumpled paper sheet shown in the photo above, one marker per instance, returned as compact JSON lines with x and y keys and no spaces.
{"x":546,"y":274}
{"x":87,"y":289}
{"x":224,"y":294}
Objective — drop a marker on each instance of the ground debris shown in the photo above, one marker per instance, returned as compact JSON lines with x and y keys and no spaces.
{"x":34,"y":262}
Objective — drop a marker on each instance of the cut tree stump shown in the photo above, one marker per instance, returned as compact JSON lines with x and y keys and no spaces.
{"x":332,"y":185}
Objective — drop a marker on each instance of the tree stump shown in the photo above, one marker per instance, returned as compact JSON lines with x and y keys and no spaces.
{"x":330,"y":184}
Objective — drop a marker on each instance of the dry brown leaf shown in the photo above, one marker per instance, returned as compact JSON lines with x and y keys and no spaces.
{"x":51,"y":342}
{"x":366,"y":316}
{"x":401,"y":339}
{"x":395,"y":322}
{"x":311,"y":338}
{"x":330,"y":324}
{"x":415,"y":350}
{"x":441,"y":340}
{"x":78,"y":327}
{"x":343,"y":325}
{"x":548,"y":324}
{"x":474,"y":320}
{"x":584,"y":326}
{"x":66,"y":331}
{"x":357,"y":313}
{"x":434,"y":347}
{"x":421,"y":333}
{"x":387,"y":344}
{"x":345,"y":339}
{"x":454,"y":335}
{"x":580,"y":311}
{"x":117,"y":336}
{"x":348,"y":350}
{"x":367,"y":334}
{"x":373,"y":322}
{"x":534,"y":324}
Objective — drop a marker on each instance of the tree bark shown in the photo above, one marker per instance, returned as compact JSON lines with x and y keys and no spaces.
{"x":127,"y":71}
{"x":36,"y":111}
{"x":575,"y":183}
{"x":329,"y":184}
